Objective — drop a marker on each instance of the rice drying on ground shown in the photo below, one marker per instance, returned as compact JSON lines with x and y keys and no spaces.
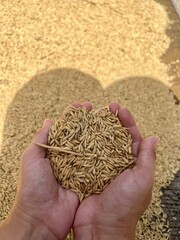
{"x":95,"y":51}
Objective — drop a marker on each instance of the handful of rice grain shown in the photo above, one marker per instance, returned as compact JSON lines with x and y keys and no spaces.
{"x":88,"y":149}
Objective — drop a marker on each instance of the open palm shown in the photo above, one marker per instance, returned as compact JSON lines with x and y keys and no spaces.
{"x":128,"y":196}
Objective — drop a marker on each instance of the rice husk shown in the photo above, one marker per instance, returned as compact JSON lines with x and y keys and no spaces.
{"x":87,"y":150}
{"x":95,"y":51}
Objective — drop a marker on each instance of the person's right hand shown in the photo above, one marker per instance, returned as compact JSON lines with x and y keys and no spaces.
{"x":114,"y":213}
{"x":42,"y":208}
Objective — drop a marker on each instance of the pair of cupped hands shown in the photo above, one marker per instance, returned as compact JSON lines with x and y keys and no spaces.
{"x":44,"y":210}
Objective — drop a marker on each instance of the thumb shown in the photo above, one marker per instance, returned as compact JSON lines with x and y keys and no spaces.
{"x":33,"y":151}
{"x":147,"y":156}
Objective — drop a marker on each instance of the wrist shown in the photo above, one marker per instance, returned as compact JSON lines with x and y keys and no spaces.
{"x":19,"y":226}
{"x":96,"y":232}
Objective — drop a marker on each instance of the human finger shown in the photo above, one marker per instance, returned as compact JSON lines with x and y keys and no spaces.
{"x":87,"y":105}
{"x":127,"y":120}
{"x":76,"y":105}
{"x":147,"y":155}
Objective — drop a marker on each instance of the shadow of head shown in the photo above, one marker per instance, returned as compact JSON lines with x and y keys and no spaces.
{"x":48,"y":94}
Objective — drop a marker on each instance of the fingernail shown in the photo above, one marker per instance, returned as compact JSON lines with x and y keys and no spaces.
{"x":156,"y":140}
{"x":45,"y":122}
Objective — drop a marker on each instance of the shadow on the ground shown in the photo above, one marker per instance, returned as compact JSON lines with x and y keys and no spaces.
{"x":171,"y":205}
{"x":48,"y":94}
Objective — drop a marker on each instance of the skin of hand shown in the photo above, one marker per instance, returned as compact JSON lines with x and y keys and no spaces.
{"x":42,"y":208}
{"x":114,"y":213}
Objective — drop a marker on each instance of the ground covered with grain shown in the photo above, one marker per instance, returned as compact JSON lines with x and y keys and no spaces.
{"x":54,"y":53}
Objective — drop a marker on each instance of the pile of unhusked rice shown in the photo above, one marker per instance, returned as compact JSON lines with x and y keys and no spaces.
{"x":88,"y":149}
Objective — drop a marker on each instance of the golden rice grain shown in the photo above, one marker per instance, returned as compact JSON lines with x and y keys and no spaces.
{"x":87,"y":150}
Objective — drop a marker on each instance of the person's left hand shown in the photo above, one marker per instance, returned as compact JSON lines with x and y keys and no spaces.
{"x":41,"y":202}
{"x":114,"y":213}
